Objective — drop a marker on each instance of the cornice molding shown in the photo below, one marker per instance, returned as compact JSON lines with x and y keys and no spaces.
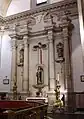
{"x":68,"y":6}
{"x":44,"y":32}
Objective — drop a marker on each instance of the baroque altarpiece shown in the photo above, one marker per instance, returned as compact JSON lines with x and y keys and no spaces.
{"x":41,"y":48}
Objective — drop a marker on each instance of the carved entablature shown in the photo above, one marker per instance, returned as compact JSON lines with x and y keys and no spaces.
{"x":59,"y":11}
{"x":51,"y":13}
{"x":22,"y":27}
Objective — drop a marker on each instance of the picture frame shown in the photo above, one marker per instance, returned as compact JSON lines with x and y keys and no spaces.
{"x":82,"y":78}
{"x":6,"y":81}
{"x":41,"y":2}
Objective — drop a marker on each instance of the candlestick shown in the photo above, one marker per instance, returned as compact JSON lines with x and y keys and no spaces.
{"x":58,"y":77}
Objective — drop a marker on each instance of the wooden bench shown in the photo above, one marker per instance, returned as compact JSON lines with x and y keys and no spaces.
{"x":22,"y":110}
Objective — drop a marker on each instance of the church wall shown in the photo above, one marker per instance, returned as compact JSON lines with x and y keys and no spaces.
{"x":5,"y":68}
{"x":77,"y":62}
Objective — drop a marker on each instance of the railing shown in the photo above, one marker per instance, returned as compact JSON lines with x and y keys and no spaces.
{"x":37,"y":112}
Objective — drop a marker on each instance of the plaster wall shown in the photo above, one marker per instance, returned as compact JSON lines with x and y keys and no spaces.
{"x":77,"y":61}
{"x":5,"y":68}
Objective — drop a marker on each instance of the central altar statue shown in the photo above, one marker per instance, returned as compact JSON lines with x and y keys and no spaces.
{"x":39,"y":75}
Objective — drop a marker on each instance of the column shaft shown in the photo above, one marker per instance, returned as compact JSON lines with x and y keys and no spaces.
{"x":26,"y":69}
{"x":66,"y":56}
{"x":51,"y":61}
{"x":67,"y":69}
{"x":14,"y":63}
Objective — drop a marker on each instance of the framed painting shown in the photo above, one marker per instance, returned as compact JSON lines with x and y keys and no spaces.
{"x":6,"y":81}
{"x":82,"y":78}
{"x":38,"y":2}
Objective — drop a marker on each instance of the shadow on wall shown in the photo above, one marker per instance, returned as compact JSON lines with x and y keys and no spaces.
{"x":76,"y":40}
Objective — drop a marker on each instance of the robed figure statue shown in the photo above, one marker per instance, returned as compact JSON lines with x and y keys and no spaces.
{"x":39,"y":75}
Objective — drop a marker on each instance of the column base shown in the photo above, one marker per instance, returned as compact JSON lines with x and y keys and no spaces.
{"x":51,"y":100}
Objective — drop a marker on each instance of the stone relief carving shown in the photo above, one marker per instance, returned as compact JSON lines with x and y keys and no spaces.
{"x":31,"y":21}
{"x":52,"y":18}
{"x":69,"y":7}
{"x":21,"y":56}
{"x":46,"y":16}
{"x":60,"y":49}
{"x":39,"y":18}
{"x":60,"y":53}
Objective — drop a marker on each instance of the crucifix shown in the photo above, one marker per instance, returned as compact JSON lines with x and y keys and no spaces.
{"x":39,"y":48}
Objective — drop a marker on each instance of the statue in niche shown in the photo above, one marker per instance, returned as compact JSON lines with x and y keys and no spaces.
{"x":39,"y":75}
{"x":60,"y":47}
{"x":21,"y":56}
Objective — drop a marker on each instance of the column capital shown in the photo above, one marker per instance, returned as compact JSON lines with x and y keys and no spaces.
{"x":15,"y":36}
{"x":25,"y":39}
{"x":24,"y":29}
{"x":14,"y":44}
{"x":25,"y":36}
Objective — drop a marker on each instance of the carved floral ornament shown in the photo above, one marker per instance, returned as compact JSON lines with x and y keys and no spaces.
{"x":56,"y":19}
{"x":51,"y":16}
{"x":31,"y":21}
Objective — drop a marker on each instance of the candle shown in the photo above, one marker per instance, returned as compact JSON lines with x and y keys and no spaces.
{"x":58,"y":77}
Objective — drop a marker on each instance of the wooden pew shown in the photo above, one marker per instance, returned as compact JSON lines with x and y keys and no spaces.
{"x":22,"y":110}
